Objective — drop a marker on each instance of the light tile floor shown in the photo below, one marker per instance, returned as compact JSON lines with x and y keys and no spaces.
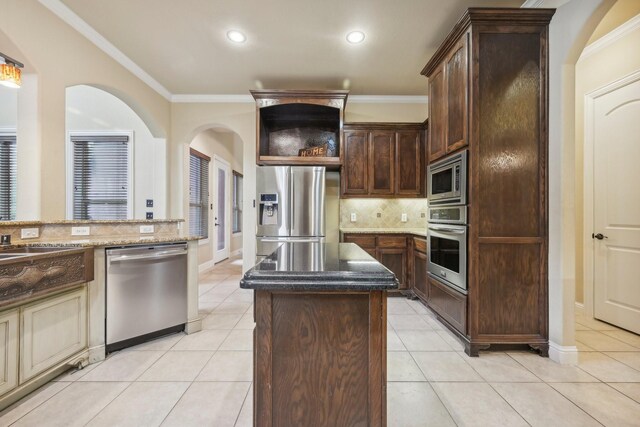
{"x":205,"y":378}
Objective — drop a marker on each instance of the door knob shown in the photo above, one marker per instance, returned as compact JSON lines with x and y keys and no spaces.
{"x":599,"y":236}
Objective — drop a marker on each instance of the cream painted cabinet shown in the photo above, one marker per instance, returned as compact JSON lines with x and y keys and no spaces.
{"x":52,"y":330}
{"x":8,"y":350}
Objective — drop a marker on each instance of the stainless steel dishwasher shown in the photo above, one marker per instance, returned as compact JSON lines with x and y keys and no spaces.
{"x":146,"y":293}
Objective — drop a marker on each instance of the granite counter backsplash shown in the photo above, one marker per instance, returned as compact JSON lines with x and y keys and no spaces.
{"x":383,"y":213}
{"x":61,"y":231}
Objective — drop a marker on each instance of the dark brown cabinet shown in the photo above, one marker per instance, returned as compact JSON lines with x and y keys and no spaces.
{"x":391,"y":250}
{"x":456,"y":74}
{"x":409,"y":171}
{"x":356,"y":154}
{"x":488,"y":88}
{"x":381,"y":163}
{"x":448,"y":101}
{"x":437,"y":114}
{"x":418,"y":280}
{"x":392,"y":253}
{"x":383,"y":160}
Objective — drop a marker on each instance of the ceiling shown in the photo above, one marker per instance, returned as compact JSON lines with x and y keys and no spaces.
{"x":291,"y":44}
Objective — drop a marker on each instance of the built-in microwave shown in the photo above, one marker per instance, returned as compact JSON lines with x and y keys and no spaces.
{"x":447,"y":181}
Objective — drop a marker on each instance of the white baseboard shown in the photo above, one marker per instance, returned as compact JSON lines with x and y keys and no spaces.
{"x":564,"y":355}
{"x":579,"y":307}
{"x":236,"y":252}
{"x":192,"y":326}
{"x":205,"y":266}
{"x":97,"y":353}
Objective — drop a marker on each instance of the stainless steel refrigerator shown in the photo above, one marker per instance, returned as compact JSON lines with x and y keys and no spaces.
{"x":290,"y":205}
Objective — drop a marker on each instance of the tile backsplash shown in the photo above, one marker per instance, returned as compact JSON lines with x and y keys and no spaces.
{"x":383,"y":213}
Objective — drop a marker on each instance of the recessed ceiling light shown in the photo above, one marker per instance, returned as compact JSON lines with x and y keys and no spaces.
{"x":236,"y":36}
{"x":355,"y":37}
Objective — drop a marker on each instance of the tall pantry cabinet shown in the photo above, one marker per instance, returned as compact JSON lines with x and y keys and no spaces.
{"x":489,"y":94}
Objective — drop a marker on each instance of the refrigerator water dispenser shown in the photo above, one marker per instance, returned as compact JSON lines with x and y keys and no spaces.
{"x":268,"y":210}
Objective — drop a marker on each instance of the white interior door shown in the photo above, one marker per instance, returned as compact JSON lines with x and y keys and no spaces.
{"x":221,"y":209}
{"x":616,"y":184}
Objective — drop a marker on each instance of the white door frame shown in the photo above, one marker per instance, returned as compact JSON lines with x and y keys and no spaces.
{"x":589,"y":146}
{"x":227,"y":230}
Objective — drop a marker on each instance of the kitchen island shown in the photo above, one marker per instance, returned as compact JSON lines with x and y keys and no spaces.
{"x":320,"y":336}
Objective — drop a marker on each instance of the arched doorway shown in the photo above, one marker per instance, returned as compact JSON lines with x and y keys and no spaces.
{"x":216,"y":201}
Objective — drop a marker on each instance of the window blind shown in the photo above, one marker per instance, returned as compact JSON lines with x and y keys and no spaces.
{"x":8,"y":173}
{"x":237,"y":202}
{"x":198,"y":195}
{"x":100,"y":176}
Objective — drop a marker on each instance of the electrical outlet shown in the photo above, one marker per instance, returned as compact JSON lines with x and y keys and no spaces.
{"x":353,"y":217}
{"x":379,"y":215}
{"x":422,"y":214}
{"x":403,"y":217}
{"x":149,"y":215}
{"x":29,"y":233}
{"x":80,"y":231}
{"x":145,"y":229}
{"x":149,"y":203}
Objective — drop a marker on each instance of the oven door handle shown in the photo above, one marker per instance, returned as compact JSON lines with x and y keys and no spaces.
{"x":447,"y":230}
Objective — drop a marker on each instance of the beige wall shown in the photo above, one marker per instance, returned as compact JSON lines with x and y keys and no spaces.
{"x":620,"y":12}
{"x":60,"y":57}
{"x":228,"y":147}
{"x":595,"y":71}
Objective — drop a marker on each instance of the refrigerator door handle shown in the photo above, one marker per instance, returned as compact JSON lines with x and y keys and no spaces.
{"x":293,"y":202}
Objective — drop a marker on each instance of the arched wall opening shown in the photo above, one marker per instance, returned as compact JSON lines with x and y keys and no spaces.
{"x":224,"y":150}
{"x":570,"y":29}
{"x":95,"y":111}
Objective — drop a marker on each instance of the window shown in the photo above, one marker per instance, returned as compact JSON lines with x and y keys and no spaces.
{"x":237,"y":202}
{"x":199,"y":194}
{"x":8,"y":177}
{"x":100,"y":176}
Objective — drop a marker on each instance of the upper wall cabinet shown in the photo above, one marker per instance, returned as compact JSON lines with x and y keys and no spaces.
{"x":288,"y":121}
{"x":383,"y":160}
{"x":448,"y":95}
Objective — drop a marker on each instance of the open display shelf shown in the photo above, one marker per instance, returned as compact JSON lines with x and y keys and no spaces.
{"x":288,"y":121}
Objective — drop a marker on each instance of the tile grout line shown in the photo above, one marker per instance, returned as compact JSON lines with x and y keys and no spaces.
{"x":110,"y":402}
{"x":243,"y":402}
{"x":37,"y":406}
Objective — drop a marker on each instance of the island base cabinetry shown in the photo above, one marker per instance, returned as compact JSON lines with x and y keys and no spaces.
{"x":320,"y":358}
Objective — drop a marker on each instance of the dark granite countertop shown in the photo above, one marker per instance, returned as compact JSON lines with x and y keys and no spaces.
{"x":319,"y":267}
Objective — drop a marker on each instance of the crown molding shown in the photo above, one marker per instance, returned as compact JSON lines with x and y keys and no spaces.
{"x":67,"y":15}
{"x":212,"y":99}
{"x":611,"y":37}
{"x":532,"y":3}
{"x":388,"y":99}
{"x":353,"y":99}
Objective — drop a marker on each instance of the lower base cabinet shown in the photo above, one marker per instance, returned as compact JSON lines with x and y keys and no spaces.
{"x":36,"y":339}
{"x":419,"y":278}
{"x":52,"y":331}
{"x":390,"y":250}
{"x":8,"y":350}
{"x":448,"y":304}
